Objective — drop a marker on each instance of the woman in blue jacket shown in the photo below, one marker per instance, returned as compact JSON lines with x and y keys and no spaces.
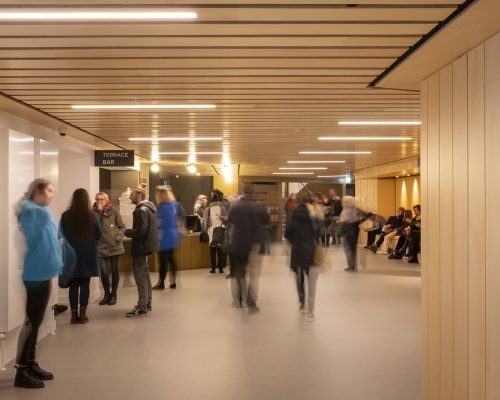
{"x":42,"y":263}
{"x":169,"y":214}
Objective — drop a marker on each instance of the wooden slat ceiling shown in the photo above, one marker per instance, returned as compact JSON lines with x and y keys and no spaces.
{"x":280,"y":72}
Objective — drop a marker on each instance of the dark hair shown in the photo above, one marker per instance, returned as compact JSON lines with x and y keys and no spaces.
{"x":81,"y":214}
{"x":417,"y":207}
{"x":217,"y":195}
{"x":369,"y":215}
{"x":305,"y":197}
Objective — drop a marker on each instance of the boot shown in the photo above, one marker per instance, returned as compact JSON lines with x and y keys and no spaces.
{"x":83,"y":316}
{"x":105,"y":299}
{"x":75,"y":319}
{"x":40,"y":373}
{"x":25,"y":379}
{"x":159,"y":286}
{"x":112,"y":299}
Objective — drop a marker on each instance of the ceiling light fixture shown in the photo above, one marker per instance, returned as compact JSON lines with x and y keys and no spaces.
{"x":97,"y":15}
{"x":155,"y":168}
{"x":140,"y":106}
{"x":293,"y":173}
{"x":315,"y":162}
{"x":331,"y":176}
{"x":379,"y":123}
{"x":365,"y":138}
{"x":174,"y":139}
{"x":303,"y":168}
{"x":186,"y":153}
{"x":335,"y":152}
{"x":191,"y":168}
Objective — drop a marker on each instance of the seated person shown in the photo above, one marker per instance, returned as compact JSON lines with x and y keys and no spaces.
{"x":385,"y":248}
{"x":411,"y":239}
{"x":394,"y":222}
{"x":378,"y":223}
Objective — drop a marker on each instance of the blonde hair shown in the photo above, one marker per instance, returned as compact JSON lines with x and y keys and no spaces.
{"x":102,"y":194}
{"x":164,"y":194}
{"x":37,"y":185}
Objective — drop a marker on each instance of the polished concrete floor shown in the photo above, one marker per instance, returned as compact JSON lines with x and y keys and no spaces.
{"x":363,"y":345}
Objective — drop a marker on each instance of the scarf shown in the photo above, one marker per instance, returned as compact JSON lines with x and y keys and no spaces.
{"x":105,"y":210}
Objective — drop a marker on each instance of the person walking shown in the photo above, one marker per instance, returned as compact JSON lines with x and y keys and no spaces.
{"x":42,"y":263}
{"x":335,"y":210}
{"x":80,"y":226}
{"x":349,"y":221}
{"x":213,"y":217}
{"x":144,"y":237}
{"x":167,"y":217}
{"x":110,"y":246}
{"x":303,"y":233}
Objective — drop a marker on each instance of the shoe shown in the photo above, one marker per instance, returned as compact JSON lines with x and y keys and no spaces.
{"x":75,"y":319}
{"x":25,"y":379}
{"x":60,"y":308}
{"x":136,"y":312}
{"x":310,"y":316}
{"x":112,"y":299}
{"x":413,"y":260}
{"x":149,"y":307}
{"x":159,"y":286}
{"x":212,"y":271}
{"x":253,"y":310}
{"x":173,"y":286}
{"x":229,"y":276}
{"x":395,"y":256}
{"x":349,"y":269}
{"x":235,"y":304}
{"x":83,"y":316}
{"x":366,"y":247}
{"x":390,"y":251}
{"x":221,"y":270}
{"x":39,"y":373}
{"x":302,"y":309}
{"x":105,"y":299}
{"x":373,"y":248}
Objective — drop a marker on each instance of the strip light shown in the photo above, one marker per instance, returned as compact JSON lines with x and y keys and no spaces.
{"x":98,"y":15}
{"x":140,"y":106}
{"x":175,"y":139}
{"x":304,"y":168}
{"x":315,"y":162}
{"x":331,"y":176}
{"x":379,"y":123}
{"x":186,"y":153}
{"x":365,"y":138}
{"x":293,"y":173}
{"x":335,"y":152}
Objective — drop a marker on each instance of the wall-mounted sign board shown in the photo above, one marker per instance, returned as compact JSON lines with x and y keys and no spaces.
{"x":114,"y":158}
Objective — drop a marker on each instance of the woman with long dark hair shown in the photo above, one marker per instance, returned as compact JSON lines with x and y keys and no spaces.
{"x":81,"y":228}
{"x":213,"y":220}
{"x":42,"y":263}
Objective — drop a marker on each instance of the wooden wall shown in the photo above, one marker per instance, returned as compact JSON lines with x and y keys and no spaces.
{"x":408,"y":191}
{"x":460,"y":254}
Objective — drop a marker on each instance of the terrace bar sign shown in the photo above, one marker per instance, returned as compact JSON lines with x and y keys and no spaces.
{"x":114,"y":158}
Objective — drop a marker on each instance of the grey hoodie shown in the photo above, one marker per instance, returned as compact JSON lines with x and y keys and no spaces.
{"x":144,"y":234}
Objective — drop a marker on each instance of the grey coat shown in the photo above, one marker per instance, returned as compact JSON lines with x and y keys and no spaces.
{"x":113,"y":230}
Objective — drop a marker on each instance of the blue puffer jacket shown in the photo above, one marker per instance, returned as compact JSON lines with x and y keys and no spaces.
{"x":43,"y":259}
{"x":168,"y":232}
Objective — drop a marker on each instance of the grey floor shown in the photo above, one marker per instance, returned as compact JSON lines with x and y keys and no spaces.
{"x":364,"y":344}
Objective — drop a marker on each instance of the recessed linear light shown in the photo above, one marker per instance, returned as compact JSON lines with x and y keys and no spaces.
{"x":380,"y":123}
{"x":366,"y":138}
{"x":335,"y":152}
{"x":175,"y":139}
{"x":330,"y":176}
{"x":293,"y":173}
{"x":315,"y":162}
{"x":303,"y":168}
{"x":97,"y":15}
{"x":187,"y":153}
{"x":140,"y":106}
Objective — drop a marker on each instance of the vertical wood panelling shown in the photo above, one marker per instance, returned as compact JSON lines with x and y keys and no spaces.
{"x":446,"y":229}
{"x":492,"y":139}
{"x":433,"y":246}
{"x":460,"y":232}
{"x":424,"y":259}
{"x":477,"y":221}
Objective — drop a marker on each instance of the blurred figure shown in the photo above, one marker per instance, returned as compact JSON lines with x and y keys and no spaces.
{"x":144,"y":237}
{"x":199,"y":208}
{"x":81,"y":227}
{"x":264,"y":223}
{"x":167,"y":217}
{"x":303,"y":233}
{"x":213,"y":216}
{"x":233,"y":199}
{"x":335,"y":210}
{"x":242,"y":222}
{"x":325,"y":227}
{"x":349,"y":221}
{"x":290,"y":205}
{"x":42,"y":263}
{"x":110,"y":246}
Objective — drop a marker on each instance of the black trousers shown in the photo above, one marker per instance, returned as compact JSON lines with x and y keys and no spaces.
{"x":79,"y":288}
{"x":109,"y":265}
{"x":350,"y":233}
{"x":38,"y":294}
{"x":372,"y":235}
{"x":167,"y":262}
{"x":414,"y":244}
{"x":217,"y":258}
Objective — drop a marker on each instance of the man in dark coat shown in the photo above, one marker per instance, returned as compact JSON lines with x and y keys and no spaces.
{"x":144,"y":242}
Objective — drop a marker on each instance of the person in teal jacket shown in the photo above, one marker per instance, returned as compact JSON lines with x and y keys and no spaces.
{"x":42,"y":263}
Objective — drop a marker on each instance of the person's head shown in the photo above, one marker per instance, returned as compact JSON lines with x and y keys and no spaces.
{"x":217,"y":195}
{"x":370,"y":216}
{"x":203,"y":200}
{"x":80,"y":200}
{"x":40,"y":191}
{"x":416,"y":210}
{"x":101,"y":199}
{"x":408,"y":214}
{"x":318,"y":197}
{"x":305,"y":197}
{"x":348,"y":202}
{"x":164,"y":194}
{"x":332,"y":193}
{"x":400,"y":211}
{"x":137,"y":195}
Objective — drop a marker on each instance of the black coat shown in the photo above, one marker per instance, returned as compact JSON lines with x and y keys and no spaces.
{"x":336,"y":206}
{"x":243,"y":227}
{"x":144,"y":234}
{"x":302,"y":233}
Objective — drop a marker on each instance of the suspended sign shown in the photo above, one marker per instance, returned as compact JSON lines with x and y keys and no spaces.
{"x":114,"y":158}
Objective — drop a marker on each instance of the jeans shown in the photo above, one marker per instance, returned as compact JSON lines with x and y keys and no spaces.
{"x":140,"y":266}
{"x":167,"y":260}
{"x":312,"y":278}
{"x":217,"y":258}
{"x":81,"y":285}
{"x":38,"y":294}
{"x":109,"y":265}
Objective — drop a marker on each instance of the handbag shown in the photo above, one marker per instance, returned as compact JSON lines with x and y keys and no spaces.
{"x":322,"y":259}
{"x":69,"y":263}
{"x":204,"y":238}
{"x":217,"y":237}
{"x":226,"y":242}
